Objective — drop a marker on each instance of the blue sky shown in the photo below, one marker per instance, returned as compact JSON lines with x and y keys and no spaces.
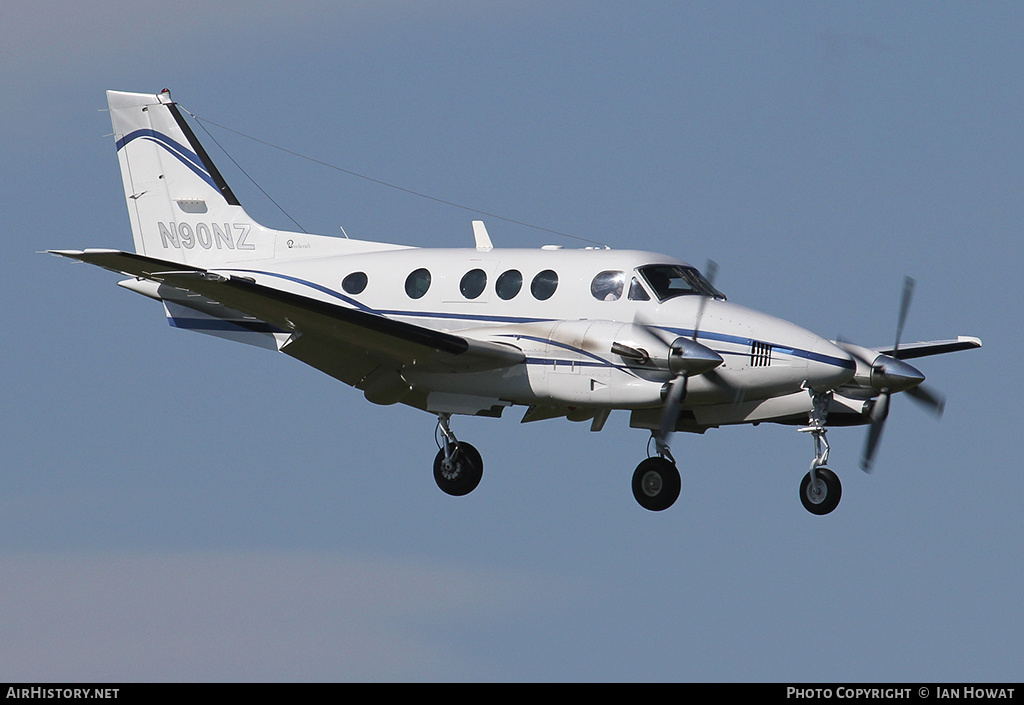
{"x":174,"y":507}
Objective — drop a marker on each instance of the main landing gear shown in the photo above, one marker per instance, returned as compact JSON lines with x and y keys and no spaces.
{"x":656,"y":483}
{"x":820,"y":490}
{"x":458,"y":466}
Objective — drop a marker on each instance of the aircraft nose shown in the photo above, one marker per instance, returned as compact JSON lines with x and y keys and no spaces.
{"x":829,"y":366}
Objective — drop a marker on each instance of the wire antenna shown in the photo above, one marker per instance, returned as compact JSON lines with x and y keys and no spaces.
{"x":374,"y":180}
{"x":239,"y":166}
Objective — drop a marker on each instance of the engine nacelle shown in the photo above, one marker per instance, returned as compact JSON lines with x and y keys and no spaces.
{"x":879,"y":372}
{"x":682,"y":356}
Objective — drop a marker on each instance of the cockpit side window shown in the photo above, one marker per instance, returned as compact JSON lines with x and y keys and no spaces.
{"x":671,"y":280}
{"x":607,"y":286}
{"x":637,"y":291}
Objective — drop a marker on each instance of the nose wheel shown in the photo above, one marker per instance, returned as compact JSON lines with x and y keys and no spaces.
{"x":820,"y":491}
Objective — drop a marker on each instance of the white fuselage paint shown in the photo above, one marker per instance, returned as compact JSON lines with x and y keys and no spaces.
{"x":567,"y":338}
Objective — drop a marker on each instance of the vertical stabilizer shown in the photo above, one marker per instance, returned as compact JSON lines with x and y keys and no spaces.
{"x":180,"y":207}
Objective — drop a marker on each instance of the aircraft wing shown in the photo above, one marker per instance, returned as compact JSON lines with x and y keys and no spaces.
{"x":349,"y":344}
{"x":908,"y":351}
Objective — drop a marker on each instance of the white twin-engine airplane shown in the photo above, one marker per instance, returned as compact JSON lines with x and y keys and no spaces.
{"x":564,"y":333}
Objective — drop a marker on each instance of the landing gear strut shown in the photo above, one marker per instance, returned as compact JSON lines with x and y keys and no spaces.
{"x":820,"y":490}
{"x":458,"y":466}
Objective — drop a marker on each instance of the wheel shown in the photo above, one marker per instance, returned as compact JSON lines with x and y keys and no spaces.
{"x":656,"y":484}
{"x":462,"y":474}
{"x":823,"y":496}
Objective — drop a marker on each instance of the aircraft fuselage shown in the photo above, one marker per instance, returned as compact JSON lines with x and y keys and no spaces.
{"x":549,"y":304}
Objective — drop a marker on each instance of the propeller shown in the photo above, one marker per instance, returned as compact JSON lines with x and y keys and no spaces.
{"x":686,"y":358}
{"x":890,"y":374}
{"x":879,"y":413}
{"x":928,"y":399}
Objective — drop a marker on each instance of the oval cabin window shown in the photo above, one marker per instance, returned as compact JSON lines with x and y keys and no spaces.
{"x":509,"y":284}
{"x":544,"y":285}
{"x":354,"y":283}
{"x":473,"y":283}
{"x":417,"y":283}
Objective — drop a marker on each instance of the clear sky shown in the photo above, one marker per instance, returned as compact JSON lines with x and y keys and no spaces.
{"x":176,"y":507}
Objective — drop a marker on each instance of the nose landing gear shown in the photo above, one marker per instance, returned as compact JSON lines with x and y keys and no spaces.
{"x":820,"y":490}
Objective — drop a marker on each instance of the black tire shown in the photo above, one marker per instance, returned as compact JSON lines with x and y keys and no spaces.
{"x":656,"y":484}
{"x":826,"y":497}
{"x":463,"y":473}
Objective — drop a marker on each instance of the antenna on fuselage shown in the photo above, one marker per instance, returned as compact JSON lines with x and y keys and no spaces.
{"x":483,"y":240}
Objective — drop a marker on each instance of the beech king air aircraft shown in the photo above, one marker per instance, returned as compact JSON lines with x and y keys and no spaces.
{"x":563,"y":333}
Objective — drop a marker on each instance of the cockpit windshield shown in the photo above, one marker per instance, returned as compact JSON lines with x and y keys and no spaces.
{"x":671,"y":280}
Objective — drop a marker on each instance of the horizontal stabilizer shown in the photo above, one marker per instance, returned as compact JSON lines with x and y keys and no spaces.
{"x":125,"y":262}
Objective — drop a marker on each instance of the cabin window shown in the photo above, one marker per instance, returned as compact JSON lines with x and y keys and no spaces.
{"x":544,"y":285}
{"x":607,"y":286}
{"x":509,"y":284}
{"x":417,"y":283}
{"x":473,"y":283}
{"x":637,"y":291}
{"x":354,"y":283}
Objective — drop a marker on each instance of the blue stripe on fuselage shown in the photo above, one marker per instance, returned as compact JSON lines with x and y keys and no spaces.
{"x":844,"y":363}
{"x":689,"y":333}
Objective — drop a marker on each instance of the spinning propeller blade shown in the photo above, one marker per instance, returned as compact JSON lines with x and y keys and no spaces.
{"x":670,"y":412}
{"x":908,"y":292}
{"x":928,"y":399}
{"x":879,"y":412}
{"x":677,"y":387}
{"x":709,"y":273}
{"x":893,"y":374}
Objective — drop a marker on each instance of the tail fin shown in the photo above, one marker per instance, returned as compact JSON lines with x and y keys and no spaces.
{"x":180,"y":207}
